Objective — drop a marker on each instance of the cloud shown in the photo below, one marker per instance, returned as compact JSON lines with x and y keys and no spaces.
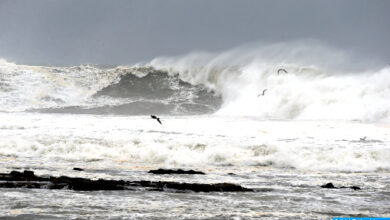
{"x":125,"y":32}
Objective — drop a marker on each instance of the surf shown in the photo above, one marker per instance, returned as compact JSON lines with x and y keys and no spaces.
{"x":319,"y":83}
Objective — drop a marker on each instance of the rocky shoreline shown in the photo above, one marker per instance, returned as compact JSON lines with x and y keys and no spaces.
{"x":28,"y":179}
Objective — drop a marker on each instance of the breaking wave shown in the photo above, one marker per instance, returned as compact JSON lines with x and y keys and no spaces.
{"x":101,"y":90}
{"x":318,"y":83}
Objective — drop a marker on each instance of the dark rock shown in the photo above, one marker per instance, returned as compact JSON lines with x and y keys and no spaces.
{"x":195,"y":187}
{"x":355,"y":187}
{"x":328,"y":186}
{"x":19,"y":176}
{"x":78,"y":169}
{"x":29,"y":180}
{"x":331,"y":186}
{"x":18,"y":184}
{"x":28,"y":174}
{"x":351,"y":187}
{"x":178,"y":171}
{"x":87,"y":184}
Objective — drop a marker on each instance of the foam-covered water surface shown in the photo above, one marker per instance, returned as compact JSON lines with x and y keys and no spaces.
{"x":281,"y":119}
{"x":285,"y":161}
{"x":214,"y":142}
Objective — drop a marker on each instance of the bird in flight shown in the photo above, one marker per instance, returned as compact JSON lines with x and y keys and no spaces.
{"x":262,"y":93}
{"x":282,"y":71}
{"x":155,"y":117}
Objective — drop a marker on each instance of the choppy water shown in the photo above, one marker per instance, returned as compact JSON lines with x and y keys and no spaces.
{"x":315,"y":124}
{"x":285,"y":161}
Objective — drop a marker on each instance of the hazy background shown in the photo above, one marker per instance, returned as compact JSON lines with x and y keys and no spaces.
{"x":71,"y":32}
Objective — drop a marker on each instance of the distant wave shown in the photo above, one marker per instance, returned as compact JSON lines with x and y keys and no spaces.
{"x":321,"y":84}
{"x":97,"y":90}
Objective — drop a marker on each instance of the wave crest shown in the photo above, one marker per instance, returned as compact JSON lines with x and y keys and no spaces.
{"x":94,"y":89}
{"x":320,"y":83}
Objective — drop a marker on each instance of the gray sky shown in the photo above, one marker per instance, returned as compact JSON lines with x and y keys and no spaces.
{"x":70,"y":32}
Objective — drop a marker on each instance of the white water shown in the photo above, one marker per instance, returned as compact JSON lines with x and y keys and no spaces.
{"x":312,"y":89}
{"x":323,"y":121}
{"x":210,"y":142}
{"x":27,"y":87}
{"x":286,"y":161}
{"x":321,"y":83}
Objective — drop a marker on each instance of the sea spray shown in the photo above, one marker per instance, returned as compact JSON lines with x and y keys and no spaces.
{"x":321,"y":83}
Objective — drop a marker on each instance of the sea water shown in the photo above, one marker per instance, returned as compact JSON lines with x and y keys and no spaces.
{"x":315,"y":124}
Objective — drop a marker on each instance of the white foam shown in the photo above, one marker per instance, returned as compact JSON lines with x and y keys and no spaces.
{"x":200,"y":142}
{"x":321,"y":82}
{"x":26,"y":87}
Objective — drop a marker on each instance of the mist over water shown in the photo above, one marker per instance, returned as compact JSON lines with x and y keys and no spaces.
{"x":321,"y":83}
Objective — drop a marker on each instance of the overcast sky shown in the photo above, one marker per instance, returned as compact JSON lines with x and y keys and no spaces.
{"x":70,"y":32}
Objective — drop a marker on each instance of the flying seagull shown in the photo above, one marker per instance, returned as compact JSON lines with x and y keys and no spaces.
{"x":282,"y":71}
{"x":155,"y":117}
{"x":262,"y":93}
{"x":363,"y":139}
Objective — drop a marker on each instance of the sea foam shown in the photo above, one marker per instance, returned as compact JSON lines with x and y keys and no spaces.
{"x":320,"y":83}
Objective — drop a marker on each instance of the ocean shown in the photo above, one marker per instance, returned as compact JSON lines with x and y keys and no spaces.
{"x":315,"y":123}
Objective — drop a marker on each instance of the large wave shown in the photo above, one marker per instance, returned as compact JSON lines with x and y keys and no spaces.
{"x":321,"y":83}
{"x":129,"y":90}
